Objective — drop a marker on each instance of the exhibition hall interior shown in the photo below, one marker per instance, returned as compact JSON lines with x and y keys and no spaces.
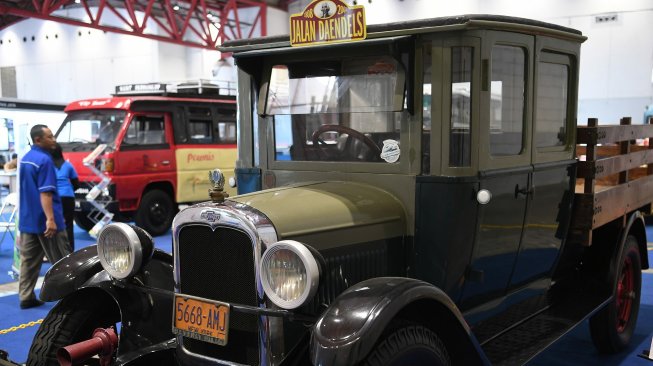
{"x":326,"y":182}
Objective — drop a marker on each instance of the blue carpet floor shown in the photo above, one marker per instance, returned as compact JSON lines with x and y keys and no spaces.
{"x":17,"y":327}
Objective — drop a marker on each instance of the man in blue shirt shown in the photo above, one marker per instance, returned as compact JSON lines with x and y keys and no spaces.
{"x":41,"y":222}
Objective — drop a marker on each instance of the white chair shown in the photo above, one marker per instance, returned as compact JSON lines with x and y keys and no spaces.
{"x":7,"y":215}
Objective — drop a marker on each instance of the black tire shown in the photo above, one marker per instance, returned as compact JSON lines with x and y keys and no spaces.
{"x":409,"y":345}
{"x":72,"y":320}
{"x":155,"y":213}
{"x":82,"y":220}
{"x":613,"y":326}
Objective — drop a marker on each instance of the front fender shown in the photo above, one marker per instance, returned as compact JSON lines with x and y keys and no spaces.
{"x":348,"y":330}
{"x":144,"y":300}
{"x":70,"y":273}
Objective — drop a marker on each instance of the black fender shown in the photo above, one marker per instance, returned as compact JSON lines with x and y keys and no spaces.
{"x":636,"y":226}
{"x":143,"y":301}
{"x":349,"y":329}
{"x":70,"y":273}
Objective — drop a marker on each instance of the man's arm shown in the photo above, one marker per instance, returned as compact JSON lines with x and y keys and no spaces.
{"x":50,"y":224}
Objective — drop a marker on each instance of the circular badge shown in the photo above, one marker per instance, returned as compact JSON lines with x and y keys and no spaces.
{"x":325,"y":9}
{"x":390,"y":152}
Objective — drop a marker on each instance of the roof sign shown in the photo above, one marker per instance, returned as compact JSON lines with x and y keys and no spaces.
{"x":327,"y":21}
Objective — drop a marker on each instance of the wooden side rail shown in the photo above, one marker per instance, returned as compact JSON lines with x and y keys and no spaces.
{"x":615,"y":175}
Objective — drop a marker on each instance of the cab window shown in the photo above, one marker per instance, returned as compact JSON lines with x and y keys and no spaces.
{"x":145,"y":131}
{"x":507,"y":95}
{"x":552,"y":102}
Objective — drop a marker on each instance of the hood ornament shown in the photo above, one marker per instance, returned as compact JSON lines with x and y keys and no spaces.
{"x":217,"y":193}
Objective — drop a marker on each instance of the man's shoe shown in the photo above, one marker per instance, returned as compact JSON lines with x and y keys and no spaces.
{"x":30,"y":303}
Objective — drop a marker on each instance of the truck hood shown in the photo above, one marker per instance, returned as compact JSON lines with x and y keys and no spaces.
{"x":307,"y":209}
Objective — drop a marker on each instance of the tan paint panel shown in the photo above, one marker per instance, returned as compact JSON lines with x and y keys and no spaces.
{"x":193,"y":166}
{"x":311,"y":208}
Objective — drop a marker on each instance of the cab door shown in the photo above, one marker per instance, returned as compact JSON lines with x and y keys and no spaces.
{"x":549,"y":206}
{"x":144,"y":156}
{"x":504,"y":164}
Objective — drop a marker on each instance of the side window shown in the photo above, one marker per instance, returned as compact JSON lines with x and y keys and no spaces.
{"x":552,"y":104}
{"x":146,"y":130}
{"x":507,"y":95}
{"x":226,"y":128}
{"x":426,"y":113}
{"x":200,"y":124}
{"x":460,"y":135}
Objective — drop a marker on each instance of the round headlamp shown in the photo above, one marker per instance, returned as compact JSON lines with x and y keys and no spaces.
{"x":289,"y":274}
{"x":123,"y":249}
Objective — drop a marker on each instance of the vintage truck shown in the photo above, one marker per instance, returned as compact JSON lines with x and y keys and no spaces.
{"x":426,"y":198}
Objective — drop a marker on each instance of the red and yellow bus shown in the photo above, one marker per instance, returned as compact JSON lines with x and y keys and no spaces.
{"x":160,"y":146}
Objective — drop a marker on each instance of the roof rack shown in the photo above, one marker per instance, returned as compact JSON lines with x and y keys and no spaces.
{"x":197,"y":88}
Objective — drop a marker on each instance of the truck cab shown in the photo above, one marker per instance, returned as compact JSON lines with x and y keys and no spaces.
{"x":160,"y":139}
{"x":418,"y":204}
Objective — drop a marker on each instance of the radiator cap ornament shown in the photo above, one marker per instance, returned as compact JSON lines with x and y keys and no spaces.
{"x":217,"y":193}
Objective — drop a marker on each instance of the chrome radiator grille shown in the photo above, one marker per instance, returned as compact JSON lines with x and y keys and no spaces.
{"x":219,"y":264}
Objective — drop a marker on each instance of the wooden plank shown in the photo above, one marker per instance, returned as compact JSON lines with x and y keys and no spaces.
{"x":593,"y":210}
{"x":612,"y":165}
{"x":611,"y":134}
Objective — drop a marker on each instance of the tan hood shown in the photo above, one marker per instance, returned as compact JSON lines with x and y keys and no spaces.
{"x":305,"y":210}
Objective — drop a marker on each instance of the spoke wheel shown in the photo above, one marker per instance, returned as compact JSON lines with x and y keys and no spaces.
{"x":613,"y":326}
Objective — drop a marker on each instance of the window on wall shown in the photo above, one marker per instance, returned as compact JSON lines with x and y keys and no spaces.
{"x":507,"y":95}
{"x":460,"y":136}
{"x":552,"y":102}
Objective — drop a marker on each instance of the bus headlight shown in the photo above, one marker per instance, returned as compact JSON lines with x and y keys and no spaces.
{"x":123,"y":249}
{"x":289,"y":274}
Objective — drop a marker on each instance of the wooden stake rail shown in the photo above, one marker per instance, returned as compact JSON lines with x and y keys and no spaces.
{"x":615,"y":176}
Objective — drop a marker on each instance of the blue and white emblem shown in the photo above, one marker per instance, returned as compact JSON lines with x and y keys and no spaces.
{"x":210,"y":215}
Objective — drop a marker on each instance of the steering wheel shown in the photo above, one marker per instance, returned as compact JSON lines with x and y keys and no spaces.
{"x":317,"y":142}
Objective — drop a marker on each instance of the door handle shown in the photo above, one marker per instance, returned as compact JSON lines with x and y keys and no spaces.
{"x":165,"y":162}
{"x":523,"y":191}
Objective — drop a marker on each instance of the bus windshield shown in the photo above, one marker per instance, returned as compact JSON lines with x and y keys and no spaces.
{"x":87,"y":129}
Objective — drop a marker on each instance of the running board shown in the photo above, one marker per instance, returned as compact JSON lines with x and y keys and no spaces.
{"x":524,"y":341}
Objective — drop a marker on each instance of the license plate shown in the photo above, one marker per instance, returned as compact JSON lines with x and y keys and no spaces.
{"x":202,"y":319}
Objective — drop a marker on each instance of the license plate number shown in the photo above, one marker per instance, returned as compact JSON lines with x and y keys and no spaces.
{"x":202,"y":319}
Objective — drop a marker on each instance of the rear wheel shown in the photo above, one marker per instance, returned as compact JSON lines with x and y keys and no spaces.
{"x":613,"y":326}
{"x":155,"y":213}
{"x":409,"y":345}
{"x":72,"y":320}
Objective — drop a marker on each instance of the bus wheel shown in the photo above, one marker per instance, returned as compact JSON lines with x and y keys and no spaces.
{"x":613,"y":326}
{"x":155,"y":212}
{"x":82,"y":220}
{"x":409,"y":345}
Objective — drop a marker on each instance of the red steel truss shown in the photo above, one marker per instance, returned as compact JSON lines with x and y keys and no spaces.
{"x":194,"y":23}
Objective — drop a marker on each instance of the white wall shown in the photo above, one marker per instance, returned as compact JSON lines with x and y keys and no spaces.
{"x":64,"y":63}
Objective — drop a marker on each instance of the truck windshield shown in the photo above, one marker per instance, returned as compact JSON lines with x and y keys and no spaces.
{"x":342,"y":110}
{"x":83,"y":130}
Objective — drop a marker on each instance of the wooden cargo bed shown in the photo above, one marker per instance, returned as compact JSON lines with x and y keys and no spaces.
{"x":615,"y":175}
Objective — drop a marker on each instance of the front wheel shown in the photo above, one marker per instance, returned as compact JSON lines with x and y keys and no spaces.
{"x":155,"y":213}
{"x":613,"y":326}
{"x":409,"y":345}
{"x":71,"y":321}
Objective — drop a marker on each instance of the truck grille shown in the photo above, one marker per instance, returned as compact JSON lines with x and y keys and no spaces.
{"x":219,"y":265}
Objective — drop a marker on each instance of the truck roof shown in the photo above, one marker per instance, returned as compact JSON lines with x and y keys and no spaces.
{"x":125,"y":102}
{"x":441,"y":24}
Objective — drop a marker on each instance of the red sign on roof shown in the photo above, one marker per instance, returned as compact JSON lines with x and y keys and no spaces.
{"x":326,"y":21}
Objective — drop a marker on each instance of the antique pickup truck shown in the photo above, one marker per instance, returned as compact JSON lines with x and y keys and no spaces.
{"x":419,"y":196}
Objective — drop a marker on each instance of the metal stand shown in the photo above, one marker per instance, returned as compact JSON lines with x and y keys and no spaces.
{"x":99,"y":195}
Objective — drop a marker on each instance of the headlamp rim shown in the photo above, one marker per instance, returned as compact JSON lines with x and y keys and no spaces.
{"x":310,"y":264}
{"x":134,"y":245}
